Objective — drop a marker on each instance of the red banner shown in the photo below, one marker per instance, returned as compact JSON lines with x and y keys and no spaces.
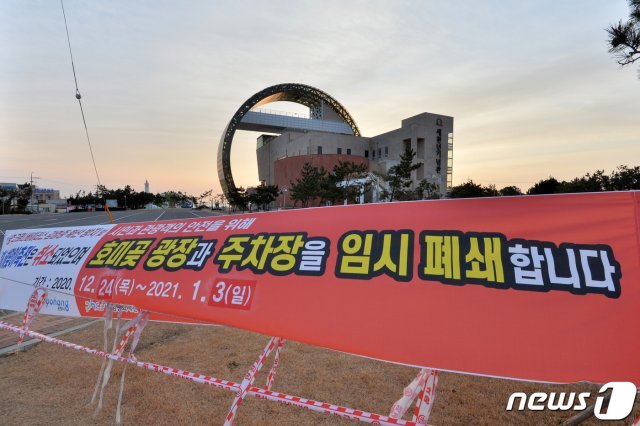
{"x":541,"y":288}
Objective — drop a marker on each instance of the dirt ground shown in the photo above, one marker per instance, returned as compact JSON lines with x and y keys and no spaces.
{"x":49,"y":384}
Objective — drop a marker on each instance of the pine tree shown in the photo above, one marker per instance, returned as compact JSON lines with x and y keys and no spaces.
{"x":308,"y":185}
{"x":399,"y":178}
{"x":624,"y":37}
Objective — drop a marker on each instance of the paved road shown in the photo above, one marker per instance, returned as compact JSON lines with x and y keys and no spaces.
{"x":55,"y":220}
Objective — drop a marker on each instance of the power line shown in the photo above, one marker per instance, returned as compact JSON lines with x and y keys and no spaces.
{"x":78,"y":96}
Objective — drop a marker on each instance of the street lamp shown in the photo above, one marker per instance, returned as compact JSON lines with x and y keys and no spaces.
{"x":284,"y":200}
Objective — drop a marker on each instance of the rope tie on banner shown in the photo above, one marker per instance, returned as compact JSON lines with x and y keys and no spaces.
{"x":133,"y":329}
{"x":34,"y":305}
{"x":248,"y":380}
{"x":423,"y":387}
{"x":107,"y":371}
{"x":108,"y":317}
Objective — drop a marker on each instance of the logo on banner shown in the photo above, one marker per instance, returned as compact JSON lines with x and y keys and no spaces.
{"x":621,"y":400}
{"x":59,"y":304}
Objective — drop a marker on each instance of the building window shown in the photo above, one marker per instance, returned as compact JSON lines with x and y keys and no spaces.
{"x":379,"y":152}
{"x":339,"y":150}
{"x":386,"y":151}
{"x":319,"y":150}
{"x":373,"y":153}
{"x":366,"y":153}
{"x":348,"y":151}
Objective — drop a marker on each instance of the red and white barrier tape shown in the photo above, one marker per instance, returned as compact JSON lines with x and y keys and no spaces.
{"x":321,"y":407}
{"x":423,"y":387}
{"x":34,"y":305}
{"x":248,"y":380}
{"x":134,"y":328}
{"x":276,"y":362}
{"x":106,"y":375}
{"x":426,"y":399}
{"x":408,"y":395}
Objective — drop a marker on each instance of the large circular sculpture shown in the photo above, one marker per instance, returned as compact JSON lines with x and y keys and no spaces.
{"x":289,"y":92}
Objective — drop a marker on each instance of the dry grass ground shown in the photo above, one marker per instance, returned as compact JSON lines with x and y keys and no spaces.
{"x":49,"y":384}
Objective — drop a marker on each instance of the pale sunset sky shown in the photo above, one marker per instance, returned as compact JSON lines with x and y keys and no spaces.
{"x":530,"y":84}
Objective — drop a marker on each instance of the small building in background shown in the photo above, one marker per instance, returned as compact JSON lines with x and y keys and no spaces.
{"x":45,"y":195}
{"x":8,"y":186}
{"x":52,"y":206}
{"x":47,"y":200}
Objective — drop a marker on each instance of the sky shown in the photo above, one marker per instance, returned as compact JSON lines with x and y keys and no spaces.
{"x":530,"y":84}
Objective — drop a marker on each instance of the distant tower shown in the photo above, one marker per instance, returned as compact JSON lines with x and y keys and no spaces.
{"x":146,"y":186}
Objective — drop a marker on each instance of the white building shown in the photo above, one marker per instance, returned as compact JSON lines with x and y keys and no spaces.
{"x":430,"y":136}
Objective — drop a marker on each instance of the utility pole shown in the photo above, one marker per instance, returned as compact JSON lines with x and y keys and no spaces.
{"x":32,"y":194}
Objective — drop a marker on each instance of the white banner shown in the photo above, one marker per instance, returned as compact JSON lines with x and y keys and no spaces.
{"x":48,"y":258}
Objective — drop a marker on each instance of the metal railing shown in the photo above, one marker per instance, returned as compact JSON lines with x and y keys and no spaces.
{"x":285,"y":113}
